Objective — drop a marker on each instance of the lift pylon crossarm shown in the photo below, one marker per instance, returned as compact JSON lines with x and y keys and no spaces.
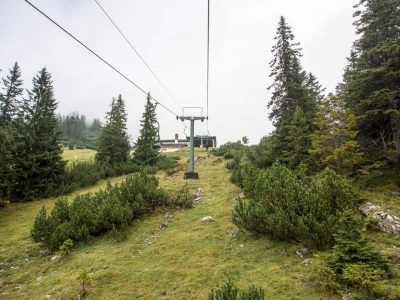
{"x":191,"y":174}
{"x":191,"y":118}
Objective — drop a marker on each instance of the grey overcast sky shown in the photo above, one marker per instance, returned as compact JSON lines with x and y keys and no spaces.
{"x":171,"y":36}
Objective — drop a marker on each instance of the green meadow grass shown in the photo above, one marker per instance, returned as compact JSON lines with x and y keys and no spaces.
{"x":78,"y":154}
{"x":184,"y":261}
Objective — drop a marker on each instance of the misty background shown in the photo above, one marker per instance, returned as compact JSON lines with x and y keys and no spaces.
{"x":171,"y":36}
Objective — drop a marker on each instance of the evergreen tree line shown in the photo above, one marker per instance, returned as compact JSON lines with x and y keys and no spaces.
{"x":371,"y":85}
{"x":31,"y":146}
{"x":310,"y":128}
{"x":113,"y":143}
{"x":77,"y":132}
{"x":357,"y":128}
{"x":31,"y":155}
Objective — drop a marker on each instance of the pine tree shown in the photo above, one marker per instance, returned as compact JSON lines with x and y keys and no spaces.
{"x":315,"y":89}
{"x":372,"y":87}
{"x":146,"y":152}
{"x":9,"y":105}
{"x":298,"y":140}
{"x":10,"y":98}
{"x":96,"y":125}
{"x":113,"y":144}
{"x":6,"y":162}
{"x":286,"y":73}
{"x":334,"y":142}
{"x":355,"y":263}
{"x":21,"y":187}
{"x":40,"y":165}
{"x":377,"y":21}
{"x":292,"y":87}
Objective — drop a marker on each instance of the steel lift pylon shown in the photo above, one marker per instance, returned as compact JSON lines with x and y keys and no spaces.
{"x":191,"y":174}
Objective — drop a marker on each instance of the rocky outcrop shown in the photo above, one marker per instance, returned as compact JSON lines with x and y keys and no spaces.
{"x":388,"y":223}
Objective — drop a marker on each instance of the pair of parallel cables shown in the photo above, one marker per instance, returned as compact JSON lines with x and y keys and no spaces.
{"x":138,"y":54}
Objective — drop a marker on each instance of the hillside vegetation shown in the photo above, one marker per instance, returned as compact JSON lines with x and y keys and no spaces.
{"x":192,"y":256}
{"x":307,"y":213}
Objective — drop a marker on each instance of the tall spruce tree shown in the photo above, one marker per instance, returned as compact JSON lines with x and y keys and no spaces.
{"x":10,"y":97}
{"x":39,"y":166}
{"x":372,"y":87}
{"x":113,"y":143}
{"x":146,"y":152}
{"x":10,"y":100}
{"x":292,"y":87}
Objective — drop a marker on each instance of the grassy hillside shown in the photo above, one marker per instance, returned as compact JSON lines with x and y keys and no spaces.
{"x":184,"y":261}
{"x":78,"y":154}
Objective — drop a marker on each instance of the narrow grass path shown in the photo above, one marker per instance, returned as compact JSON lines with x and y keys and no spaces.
{"x":183,"y":261}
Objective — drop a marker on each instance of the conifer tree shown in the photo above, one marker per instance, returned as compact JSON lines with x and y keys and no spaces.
{"x":96,"y":125}
{"x":315,"y":89}
{"x":10,"y":97}
{"x":334,"y":141}
{"x":378,"y":22}
{"x":146,"y":152}
{"x":9,"y":105}
{"x":355,"y":263}
{"x":6,"y":163}
{"x":292,"y":87}
{"x":40,"y":165}
{"x":298,"y":140}
{"x":113,"y":144}
{"x":372,"y":86}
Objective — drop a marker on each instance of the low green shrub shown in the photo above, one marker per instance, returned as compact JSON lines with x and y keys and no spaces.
{"x":229,"y":291}
{"x":90,"y":215}
{"x":84,"y":281}
{"x":228,"y":150}
{"x":244,"y":176}
{"x":84,"y":173}
{"x":355,"y":266}
{"x":372,"y":224}
{"x":183,"y":198}
{"x":284,"y":206}
{"x":171,"y":172}
{"x":231,"y":165}
{"x":66,"y":247}
{"x":216,"y":161}
{"x":165,"y":162}
{"x":118,"y":235}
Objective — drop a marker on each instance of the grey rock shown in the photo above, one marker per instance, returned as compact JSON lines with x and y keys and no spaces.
{"x":386,"y":222}
{"x":305,"y":262}
{"x":207,"y":219}
{"x":55,"y":258}
{"x":45,"y":252}
{"x":302,"y":251}
{"x":197,"y":200}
